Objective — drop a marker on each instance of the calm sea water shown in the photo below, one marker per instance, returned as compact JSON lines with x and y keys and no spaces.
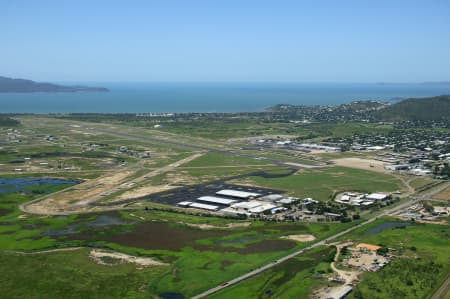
{"x":208,"y":97}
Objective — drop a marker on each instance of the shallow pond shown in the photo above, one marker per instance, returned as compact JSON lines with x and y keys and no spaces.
{"x":386,"y":225}
{"x":105,"y":220}
{"x":242,"y":240}
{"x":100,"y":221}
{"x":64,"y":231}
{"x":171,"y":296}
{"x":22,"y":184}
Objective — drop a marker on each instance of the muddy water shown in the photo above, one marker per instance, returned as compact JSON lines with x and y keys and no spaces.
{"x":386,"y":225}
{"x":157,"y":235}
{"x":105,"y":220}
{"x":21,"y":184}
{"x":4,"y":212}
{"x":109,"y":219}
{"x":171,"y":296}
{"x":165,"y":236}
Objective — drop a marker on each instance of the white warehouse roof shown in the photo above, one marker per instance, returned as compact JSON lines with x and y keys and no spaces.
{"x":272,"y":197}
{"x":234,"y":211}
{"x":376,"y":196}
{"x":204,"y":206}
{"x":262,"y":208}
{"x":237,"y":193}
{"x":247,"y":205}
{"x":285,"y":201}
{"x":345,"y":198}
{"x":219,"y":200}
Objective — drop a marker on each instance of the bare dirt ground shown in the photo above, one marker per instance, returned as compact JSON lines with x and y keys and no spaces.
{"x":77,"y":198}
{"x":209,"y":226}
{"x":366,"y":164}
{"x":364,"y":260}
{"x":443,"y":195}
{"x":302,"y":165}
{"x":142,"y":191}
{"x":346,"y":277}
{"x":108,"y":258}
{"x":442,"y":222}
{"x":78,"y":195}
{"x":300,"y":238}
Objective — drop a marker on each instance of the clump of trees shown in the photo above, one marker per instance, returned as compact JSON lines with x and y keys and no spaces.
{"x":6,"y":121}
{"x":442,"y":170}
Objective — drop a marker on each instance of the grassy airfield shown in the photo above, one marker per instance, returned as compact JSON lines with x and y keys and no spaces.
{"x":198,"y":252}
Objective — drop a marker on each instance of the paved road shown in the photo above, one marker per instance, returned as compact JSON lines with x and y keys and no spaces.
{"x":404,"y":205}
{"x":443,"y":290}
{"x":43,"y":251}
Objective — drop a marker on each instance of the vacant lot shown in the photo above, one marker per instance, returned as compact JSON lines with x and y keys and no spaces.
{"x":323,"y":183}
{"x":443,"y":195}
{"x":71,"y":275}
{"x":421,"y":265}
{"x":294,"y":278}
{"x":366,"y":164}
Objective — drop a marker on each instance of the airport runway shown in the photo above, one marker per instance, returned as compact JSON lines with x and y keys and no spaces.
{"x":200,"y":147}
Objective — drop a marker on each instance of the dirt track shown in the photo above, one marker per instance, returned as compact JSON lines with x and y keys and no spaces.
{"x":347,"y":276}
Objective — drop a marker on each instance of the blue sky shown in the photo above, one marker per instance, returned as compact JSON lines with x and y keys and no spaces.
{"x":189,"y":40}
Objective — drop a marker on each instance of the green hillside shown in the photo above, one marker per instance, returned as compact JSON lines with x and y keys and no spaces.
{"x":22,"y":85}
{"x":432,"y":108}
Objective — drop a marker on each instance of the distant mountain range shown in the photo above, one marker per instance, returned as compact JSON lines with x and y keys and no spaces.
{"x":23,"y":85}
{"x":415,"y":83}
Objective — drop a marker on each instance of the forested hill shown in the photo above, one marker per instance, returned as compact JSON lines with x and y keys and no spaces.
{"x":432,"y":108}
{"x":22,"y":85}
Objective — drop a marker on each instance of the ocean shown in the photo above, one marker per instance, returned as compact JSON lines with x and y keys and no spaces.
{"x":208,"y":97}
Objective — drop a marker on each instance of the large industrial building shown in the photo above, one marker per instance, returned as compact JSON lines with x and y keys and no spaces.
{"x":217,"y":200}
{"x":238,"y":194}
{"x":236,"y":202}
